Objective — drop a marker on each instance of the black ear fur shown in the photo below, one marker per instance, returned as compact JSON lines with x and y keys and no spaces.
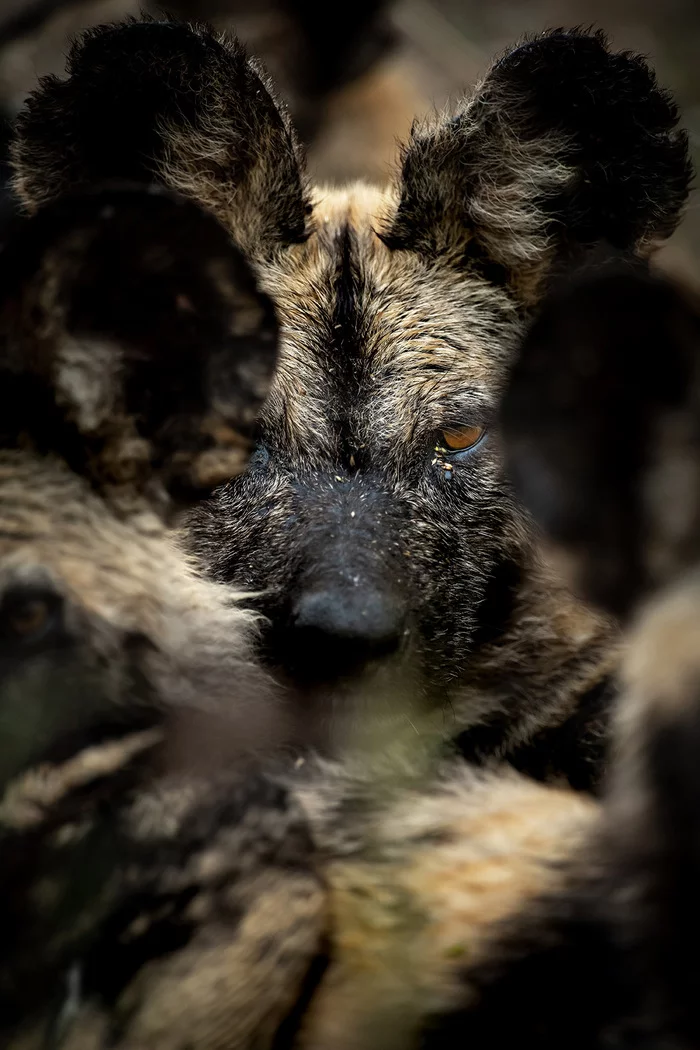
{"x":136,"y":343}
{"x":603,"y":394}
{"x":174,"y":103}
{"x":564,"y":143}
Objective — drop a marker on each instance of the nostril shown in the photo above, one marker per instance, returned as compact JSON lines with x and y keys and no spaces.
{"x":340,"y":630}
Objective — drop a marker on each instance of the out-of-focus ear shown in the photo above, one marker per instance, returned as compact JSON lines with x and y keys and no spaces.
{"x":564,"y":143}
{"x":170,"y":103}
{"x":601,"y":421}
{"x":136,"y":344}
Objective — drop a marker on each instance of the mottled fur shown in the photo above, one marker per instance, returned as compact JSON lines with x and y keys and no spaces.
{"x":608,"y":958}
{"x":517,"y":909}
{"x":136,"y":344}
{"x":569,"y":922}
{"x":387,"y":567}
{"x":358,"y":907}
{"x":200,"y":110}
{"x":128,"y":691}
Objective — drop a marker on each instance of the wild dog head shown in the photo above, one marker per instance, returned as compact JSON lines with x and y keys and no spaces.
{"x":599,"y":421}
{"x":136,"y":351}
{"x":375,"y":518}
{"x":601,"y":412}
{"x":601,"y":417}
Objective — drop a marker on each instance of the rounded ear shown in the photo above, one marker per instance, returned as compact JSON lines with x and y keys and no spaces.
{"x":170,"y":103}
{"x":564,"y":143}
{"x":601,"y":422}
{"x":136,"y":343}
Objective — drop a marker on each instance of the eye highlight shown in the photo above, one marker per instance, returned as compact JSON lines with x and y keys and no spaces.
{"x":459,"y":439}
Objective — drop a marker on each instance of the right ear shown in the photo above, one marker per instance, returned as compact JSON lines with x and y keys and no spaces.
{"x":171,"y":103}
{"x":563,"y":145}
{"x":134,"y":343}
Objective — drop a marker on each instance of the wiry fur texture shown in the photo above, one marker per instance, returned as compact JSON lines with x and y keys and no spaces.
{"x":427,"y":878}
{"x":153,"y":350}
{"x":543,"y":157}
{"x":128,"y":691}
{"x":111,"y":399}
{"x":388,"y":566}
{"x":188,"y":104}
{"x":487,"y":897}
{"x":480,"y":910}
{"x":608,"y":958}
{"x":569,"y":922}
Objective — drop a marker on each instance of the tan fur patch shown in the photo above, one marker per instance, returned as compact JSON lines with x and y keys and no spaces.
{"x":452,"y":868}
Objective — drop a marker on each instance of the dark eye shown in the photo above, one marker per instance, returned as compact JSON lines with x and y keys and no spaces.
{"x":29,"y":614}
{"x":460,"y":439}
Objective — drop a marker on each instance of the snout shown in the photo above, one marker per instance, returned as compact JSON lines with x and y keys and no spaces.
{"x":346,"y":601}
{"x":337,"y":630}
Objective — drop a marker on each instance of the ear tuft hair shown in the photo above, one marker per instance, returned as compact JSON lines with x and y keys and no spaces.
{"x":563,"y":144}
{"x":172,"y":103}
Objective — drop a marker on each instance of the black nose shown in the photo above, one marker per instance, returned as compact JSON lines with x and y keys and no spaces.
{"x":335,"y":631}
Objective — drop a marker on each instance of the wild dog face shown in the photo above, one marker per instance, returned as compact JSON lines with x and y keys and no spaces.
{"x":520,"y":909}
{"x":607,"y":957}
{"x":603,"y":439}
{"x":375,"y":518}
{"x":136,"y":350}
{"x":119,"y":403}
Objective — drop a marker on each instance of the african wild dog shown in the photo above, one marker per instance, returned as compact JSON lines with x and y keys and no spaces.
{"x":375,"y":520}
{"x":479,"y":910}
{"x":637,"y":419}
{"x":514,"y":913}
{"x":291,"y":526}
{"x":602,"y":407}
{"x":517,"y":913}
{"x":559,"y":921}
{"x":135,"y":350}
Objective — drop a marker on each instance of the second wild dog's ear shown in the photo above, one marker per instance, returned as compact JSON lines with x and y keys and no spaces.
{"x":564,"y":144}
{"x":136,"y":344}
{"x":601,"y":423}
{"x":170,"y":103}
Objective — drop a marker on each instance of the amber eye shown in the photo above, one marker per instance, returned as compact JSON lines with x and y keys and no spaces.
{"x":457,"y":439}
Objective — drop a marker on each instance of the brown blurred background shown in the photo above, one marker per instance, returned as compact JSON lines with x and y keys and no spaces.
{"x":356,"y":73}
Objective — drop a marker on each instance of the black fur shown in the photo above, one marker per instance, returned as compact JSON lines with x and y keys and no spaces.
{"x":609,"y":122}
{"x":159,"y":278}
{"x":106,"y":120}
{"x":576,"y":750}
{"x":387,"y":565}
{"x":613,"y":356}
{"x":597,"y":402}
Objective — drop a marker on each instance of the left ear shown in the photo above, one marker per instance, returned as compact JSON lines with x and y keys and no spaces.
{"x":173,"y":104}
{"x":136,"y":343}
{"x":565,"y":143}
